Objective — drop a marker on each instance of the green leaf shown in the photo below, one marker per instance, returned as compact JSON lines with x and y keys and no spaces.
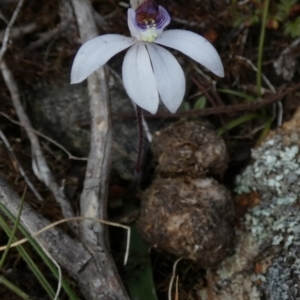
{"x":30,"y":263}
{"x":185,"y":106}
{"x":139,"y":269}
{"x":265,"y":131}
{"x":237,"y":93}
{"x":71,"y":294}
{"x":237,"y":122}
{"x":11,"y":237}
{"x":14,"y":288}
{"x":285,"y":6}
{"x":200,"y":103}
{"x":292,"y":29}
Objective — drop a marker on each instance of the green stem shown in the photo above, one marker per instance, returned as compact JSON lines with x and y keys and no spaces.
{"x":265,"y":131}
{"x":237,"y":122}
{"x":30,"y":263}
{"x":71,"y":294}
{"x":11,"y":238}
{"x":261,"y":47}
{"x":13,"y":288}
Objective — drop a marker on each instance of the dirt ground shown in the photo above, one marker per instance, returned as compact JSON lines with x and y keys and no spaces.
{"x":40,"y":52}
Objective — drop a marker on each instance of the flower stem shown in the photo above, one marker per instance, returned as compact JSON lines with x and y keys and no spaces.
{"x":261,"y":47}
{"x":138,"y":164}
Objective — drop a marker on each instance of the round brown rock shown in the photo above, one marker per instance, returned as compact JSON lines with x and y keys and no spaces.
{"x":190,"y":218}
{"x":189,"y":148}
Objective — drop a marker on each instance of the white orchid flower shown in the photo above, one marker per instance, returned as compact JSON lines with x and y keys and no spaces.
{"x":149,"y":71}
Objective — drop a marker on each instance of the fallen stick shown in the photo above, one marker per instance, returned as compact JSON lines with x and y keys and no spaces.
{"x":93,"y":202}
{"x":69,"y":253}
{"x":39,"y":163}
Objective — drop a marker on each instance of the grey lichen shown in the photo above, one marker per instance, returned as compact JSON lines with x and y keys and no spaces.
{"x":266,"y":262}
{"x":282,"y":278}
{"x":275,"y":174}
{"x":275,"y":168}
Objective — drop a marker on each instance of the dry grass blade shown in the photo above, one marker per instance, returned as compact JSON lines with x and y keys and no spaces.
{"x":52,"y":225}
{"x":58,"y":269}
{"x":173,"y":278}
{"x":39,"y":164}
{"x":70,"y":155}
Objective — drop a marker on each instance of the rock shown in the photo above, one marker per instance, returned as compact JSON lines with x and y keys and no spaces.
{"x":266,"y":262}
{"x":185,"y":212}
{"x":191,"y":218}
{"x":61,"y":111}
{"x":189,"y":148}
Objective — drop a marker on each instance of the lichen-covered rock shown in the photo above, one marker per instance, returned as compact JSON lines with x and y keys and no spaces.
{"x":189,"y":148}
{"x":191,"y":218}
{"x":274,"y":170}
{"x":266,"y":261}
{"x":281,"y":280}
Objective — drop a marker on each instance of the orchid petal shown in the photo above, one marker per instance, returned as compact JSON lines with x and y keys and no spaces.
{"x":133,"y":27}
{"x":95,"y":53}
{"x":169,"y":76}
{"x":138,"y":78}
{"x":194,"y":46}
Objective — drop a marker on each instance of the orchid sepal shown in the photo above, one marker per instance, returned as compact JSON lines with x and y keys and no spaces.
{"x":150,"y":72}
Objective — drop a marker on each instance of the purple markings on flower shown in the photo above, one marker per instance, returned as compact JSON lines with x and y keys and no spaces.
{"x":149,"y":14}
{"x":150,"y":73}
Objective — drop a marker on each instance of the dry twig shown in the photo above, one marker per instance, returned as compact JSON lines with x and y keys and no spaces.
{"x":54,"y":224}
{"x":8,"y":28}
{"x":49,"y":35}
{"x":94,"y":195}
{"x":39,"y":164}
{"x":68,"y":253}
{"x":19,"y":166}
{"x":271,"y":87}
{"x":228,"y":109}
{"x":17,"y":32}
{"x":49,"y":139}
